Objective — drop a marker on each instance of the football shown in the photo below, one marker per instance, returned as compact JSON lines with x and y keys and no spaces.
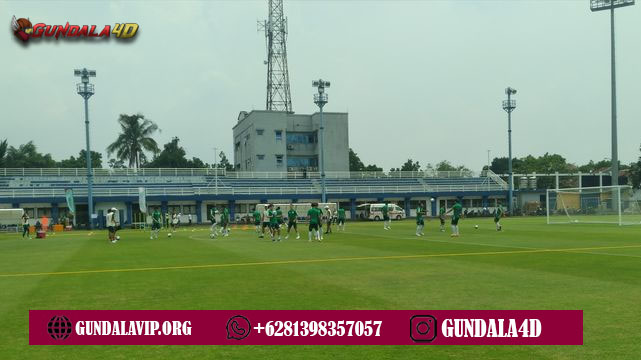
{"x":168,"y":234}
{"x":212,"y":236}
{"x":476,"y":226}
{"x":117,"y":237}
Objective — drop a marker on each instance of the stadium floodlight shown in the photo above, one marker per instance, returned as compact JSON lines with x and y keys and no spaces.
{"x":599,"y":5}
{"x":509,"y":105}
{"x":321,"y":99}
{"x":86,"y":90}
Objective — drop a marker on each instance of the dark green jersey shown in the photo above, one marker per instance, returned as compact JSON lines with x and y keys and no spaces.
{"x":156,"y":216}
{"x":384,"y":209}
{"x":225,"y":215}
{"x":314,"y":215}
{"x":498,"y":213}
{"x":256,"y":215}
{"x":212,"y":214}
{"x":457,"y":209}
{"x":279,"y":215}
{"x":292,"y":215}
{"x":441,"y":211}
{"x":419,"y":214}
{"x":272,"y":217}
{"x":341,"y":214}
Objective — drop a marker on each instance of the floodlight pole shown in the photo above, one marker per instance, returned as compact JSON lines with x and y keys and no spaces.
{"x":320,"y":99}
{"x":615,"y":151}
{"x":85,"y":89}
{"x":216,"y":169}
{"x":599,"y":5}
{"x":509,"y":105}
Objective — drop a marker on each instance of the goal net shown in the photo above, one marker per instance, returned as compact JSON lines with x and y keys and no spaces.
{"x":597,"y":205}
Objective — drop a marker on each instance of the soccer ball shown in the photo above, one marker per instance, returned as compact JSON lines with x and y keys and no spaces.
{"x":476,"y":226}
{"x":168,"y":234}
{"x":117,"y":237}
{"x":212,"y":236}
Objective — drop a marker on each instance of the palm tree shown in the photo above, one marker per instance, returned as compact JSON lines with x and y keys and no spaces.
{"x":134,"y":139}
{"x":3,"y":152}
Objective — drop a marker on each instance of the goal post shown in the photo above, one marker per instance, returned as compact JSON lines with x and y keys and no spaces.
{"x":594,"y":205}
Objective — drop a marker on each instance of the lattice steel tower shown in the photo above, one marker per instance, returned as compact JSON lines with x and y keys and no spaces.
{"x":275,"y":27}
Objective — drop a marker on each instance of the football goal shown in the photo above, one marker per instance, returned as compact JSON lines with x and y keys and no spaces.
{"x":594,"y":205}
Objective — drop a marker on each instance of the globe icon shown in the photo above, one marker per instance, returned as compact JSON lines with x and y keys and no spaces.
{"x":59,"y":327}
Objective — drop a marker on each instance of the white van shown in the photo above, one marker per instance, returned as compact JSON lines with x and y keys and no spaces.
{"x":374,"y":212}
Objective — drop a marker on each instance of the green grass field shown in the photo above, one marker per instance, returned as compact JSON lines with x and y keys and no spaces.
{"x":596,"y":268}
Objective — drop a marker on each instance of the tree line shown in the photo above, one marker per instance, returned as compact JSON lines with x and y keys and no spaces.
{"x":135,"y":147}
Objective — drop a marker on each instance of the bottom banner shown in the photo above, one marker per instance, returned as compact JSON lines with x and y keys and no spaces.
{"x":305,"y":327}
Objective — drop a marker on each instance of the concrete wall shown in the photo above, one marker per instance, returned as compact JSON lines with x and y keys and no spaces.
{"x":254,"y":151}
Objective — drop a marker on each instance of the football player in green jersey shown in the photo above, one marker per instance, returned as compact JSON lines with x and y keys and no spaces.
{"x":292,"y":220}
{"x":256,"y":216}
{"x":341,"y":219}
{"x":273,"y":222}
{"x":420,"y":222}
{"x":498,"y":213}
{"x":456,"y":210}
{"x":386,"y":221}
{"x":314,"y":216}
{"x":441,"y":217}
{"x":156,"y":219}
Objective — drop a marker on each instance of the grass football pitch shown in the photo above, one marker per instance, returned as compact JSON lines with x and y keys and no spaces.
{"x":529,"y":265}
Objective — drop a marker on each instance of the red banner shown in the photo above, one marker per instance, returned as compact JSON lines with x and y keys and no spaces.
{"x":305,"y":327}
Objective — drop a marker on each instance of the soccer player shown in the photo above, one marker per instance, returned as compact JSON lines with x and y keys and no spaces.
{"x":25,"y":225}
{"x":456,"y":210}
{"x":273,"y":222}
{"x":256,"y":215}
{"x":386,"y":221}
{"x":498,"y":213}
{"x":112,"y":225}
{"x":279,"y":217}
{"x":155,"y":224}
{"x":266,"y":215}
{"x":420,"y":223}
{"x":212,"y":218}
{"x":441,"y":217}
{"x":341,"y":219}
{"x":328,"y":213}
{"x":224,"y":221}
{"x":174,"y":222}
{"x":189,"y":217}
{"x":292,"y":221}
{"x":314,"y":216}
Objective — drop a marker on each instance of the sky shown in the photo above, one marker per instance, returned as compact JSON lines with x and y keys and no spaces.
{"x":420,"y":79}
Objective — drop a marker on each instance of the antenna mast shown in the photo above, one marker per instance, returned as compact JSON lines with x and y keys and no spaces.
{"x":275,"y":27}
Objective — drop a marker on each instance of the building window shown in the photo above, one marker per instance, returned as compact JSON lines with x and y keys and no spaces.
{"x":259,"y":131}
{"x":302,"y":161}
{"x":279,"y":160}
{"x":260,"y":156}
{"x":279,"y":135}
{"x":301,"y":137}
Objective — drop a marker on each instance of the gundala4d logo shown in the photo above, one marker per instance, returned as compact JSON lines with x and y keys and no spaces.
{"x":24,"y":30}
